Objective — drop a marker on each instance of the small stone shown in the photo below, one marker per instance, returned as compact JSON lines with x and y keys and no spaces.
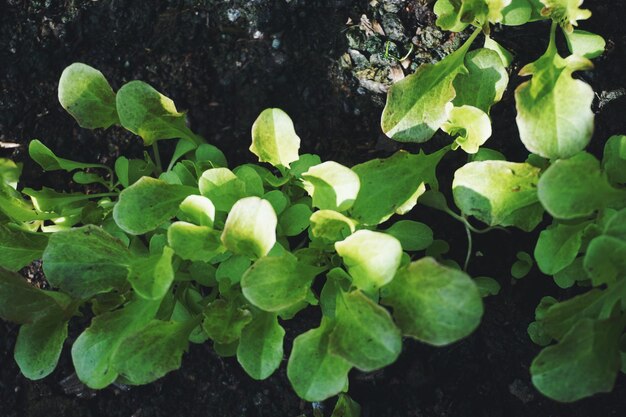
{"x":233,"y":14}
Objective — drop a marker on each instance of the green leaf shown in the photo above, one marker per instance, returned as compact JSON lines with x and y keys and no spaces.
{"x":10,"y":172}
{"x":252,"y":180}
{"x":19,"y":248}
{"x":303,"y":164}
{"x":274,"y":138}
{"x":614,"y":159}
{"x":41,"y":154}
{"x":151,"y":352}
{"x":379,"y":197}
{"x":152,"y":276}
{"x":455,"y":16}
{"x":210,"y":153}
{"x":194,"y":243}
{"x":260,"y":349}
{"x":433,"y":303}
{"x":23,"y":303}
{"x":250,"y":228}
{"x":129,"y":171}
{"x":278,"y":200}
{"x":87,"y":96}
{"x":38,"y":346}
{"x":372,"y":258}
{"x":566,"y":13}
{"x":364,"y":333}
{"x":94,"y":350}
{"x":505,"y":56}
{"x":276,"y":283}
{"x":413,"y":236}
{"x":295,"y":219}
{"x":149,"y":114}
{"x":15,"y":207}
{"x":572,"y":273}
{"x":331,"y":226}
{"x":605,"y":260}
{"x":499,"y":193}
{"x":199,"y":210}
{"x":558,"y":246}
{"x":485,"y":80}
{"x":314,"y":373}
{"x":416,"y":105}
{"x":517,"y":13}
{"x":50,"y":200}
{"x":470,"y":125}
{"x":224,"y":321}
{"x":232,"y":269}
{"x":147,"y":204}
{"x":332,"y":186}
{"x":522,"y":266}
{"x":346,"y":407}
{"x":183,"y":147}
{"x":585,"y":44}
{"x":222,"y":187}
{"x":85,"y":261}
{"x":486,"y":154}
{"x":551,"y":122}
{"x":575,"y":187}
{"x":487,"y":286}
{"x":584,"y":363}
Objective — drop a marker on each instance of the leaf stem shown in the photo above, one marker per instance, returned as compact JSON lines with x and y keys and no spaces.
{"x":157,"y":157}
{"x":469,"y":247}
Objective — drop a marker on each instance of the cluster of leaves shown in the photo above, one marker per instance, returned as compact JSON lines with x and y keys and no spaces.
{"x":586,"y":243}
{"x":197,"y":252}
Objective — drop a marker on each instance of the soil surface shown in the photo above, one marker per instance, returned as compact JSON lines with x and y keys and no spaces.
{"x":224,"y":62}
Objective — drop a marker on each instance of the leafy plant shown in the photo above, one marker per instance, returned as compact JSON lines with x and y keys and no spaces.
{"x":196,"y":252}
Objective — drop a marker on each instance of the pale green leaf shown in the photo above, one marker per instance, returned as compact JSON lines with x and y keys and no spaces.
{"x":551,"y":122}
{"x":585,"y":44}
{"x":517,"y":13}
{"x":199,"y":210}
{"x":332,"y":186}
{"x":152,"y":276}
{"x":149,"y":114}
{"x":566,"y":13}
{"x":484,"y":82}
{"x":499,"y":193}
{"x":222,"y":187}
{"x":372,"y":258}
{"x":250,"y":228}
{"x":87,"y":96}
{"x":331,"y":226}
{"x":416,"y":105}
{"x":274,"y":138}
{"x":505,"y":56}
{"x":470,"y":125}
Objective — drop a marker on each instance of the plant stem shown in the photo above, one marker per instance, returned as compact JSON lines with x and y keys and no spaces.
{"x":157,"y":157}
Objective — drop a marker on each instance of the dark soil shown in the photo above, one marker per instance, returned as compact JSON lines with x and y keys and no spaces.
{"x":225,"y":61}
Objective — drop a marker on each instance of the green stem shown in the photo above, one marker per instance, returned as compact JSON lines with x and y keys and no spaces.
{"x":157,"y":157}
{"x":469,"y":248}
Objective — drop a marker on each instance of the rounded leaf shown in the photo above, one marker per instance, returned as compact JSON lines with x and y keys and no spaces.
{"x":274,"y":138}
{"x":250,"y":227}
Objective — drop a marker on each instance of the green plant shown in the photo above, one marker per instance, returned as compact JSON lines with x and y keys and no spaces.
{"x":585,"y":244}
{"x":194,"y":251}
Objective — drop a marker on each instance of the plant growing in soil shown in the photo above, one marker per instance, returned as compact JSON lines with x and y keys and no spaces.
{"x":586,"y":243}
{"x":192,"y":251}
